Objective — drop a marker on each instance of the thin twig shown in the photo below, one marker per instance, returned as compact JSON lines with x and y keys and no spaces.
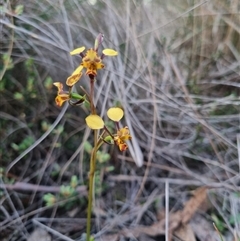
{"x":21,"y":186}
{"x":52,"y":231}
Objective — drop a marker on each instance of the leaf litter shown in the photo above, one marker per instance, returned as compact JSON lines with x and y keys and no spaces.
{"x":179,"y":226}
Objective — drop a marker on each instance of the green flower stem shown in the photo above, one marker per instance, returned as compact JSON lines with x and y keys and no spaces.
{"x":106,"y":129}
{"x":93,"y":110}
{"x":99,"y":144}
{"x":91,"y":183}
{"x":101,"y":139}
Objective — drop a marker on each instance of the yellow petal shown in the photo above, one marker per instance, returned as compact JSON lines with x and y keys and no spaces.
{"x":76,"y":75}
{"x":124,"y":134}
{"x":77,"y":51}
{"x":59,"y":85}
{"x":115,"y":113}
{"x":78,"y":70}
{"x":73,"y":79}
{"x":110,"y":52}
{"x":123,"y":146}
{"x":94,"y":122}
{"x":61,"y":98}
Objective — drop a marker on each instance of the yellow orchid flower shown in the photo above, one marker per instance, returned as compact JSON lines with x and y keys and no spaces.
{"x":121,"y":137}
{"x":73,"y":98}
{"x":62,"y":95}
{"x":91,"y":60}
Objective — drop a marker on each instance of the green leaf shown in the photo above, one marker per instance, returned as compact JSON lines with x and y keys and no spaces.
{"x":19,"y":9}
{"x":74,"y":181}
{"x":48,"y":83}
{"x":50,"y":199}
{"x":18,"y":96}
{"x":87,"y":147}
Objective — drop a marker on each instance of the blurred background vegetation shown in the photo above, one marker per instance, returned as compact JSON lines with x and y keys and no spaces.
{"x":177,"y":76}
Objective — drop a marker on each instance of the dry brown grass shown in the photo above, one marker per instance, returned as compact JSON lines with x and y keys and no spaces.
{"x":177,"y":76}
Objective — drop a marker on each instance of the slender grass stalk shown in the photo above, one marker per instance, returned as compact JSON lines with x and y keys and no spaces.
{"x":220,"y":235}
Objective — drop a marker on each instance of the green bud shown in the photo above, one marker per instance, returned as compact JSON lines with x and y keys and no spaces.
{"x":98,"y":41}
{"x":109,"y":140}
